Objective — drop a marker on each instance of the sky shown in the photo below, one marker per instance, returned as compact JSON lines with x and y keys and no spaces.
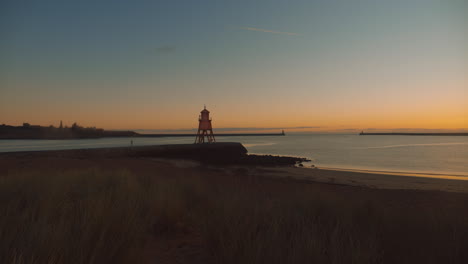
{"x":301,"y":65}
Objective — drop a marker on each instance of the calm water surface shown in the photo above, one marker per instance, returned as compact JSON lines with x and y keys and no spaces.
{"x":421,"y":154}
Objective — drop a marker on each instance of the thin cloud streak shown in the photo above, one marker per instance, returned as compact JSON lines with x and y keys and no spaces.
{"x":166,"y":49}
{"x":270,"y":31}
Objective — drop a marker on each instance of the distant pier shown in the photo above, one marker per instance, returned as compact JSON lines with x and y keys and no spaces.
{"x":217,"y":135}
{"x":412,"y":134}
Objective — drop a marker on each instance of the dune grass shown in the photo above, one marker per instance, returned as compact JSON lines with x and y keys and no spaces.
{"x":93,"y":216}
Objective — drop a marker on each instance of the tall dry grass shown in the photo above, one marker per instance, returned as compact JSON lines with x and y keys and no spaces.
{"x":81,"y":217}
{"x":93,"y":216}
{"x":262,"y":222}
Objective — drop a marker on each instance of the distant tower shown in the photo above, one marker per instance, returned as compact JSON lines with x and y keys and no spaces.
{"x":61,"y":126}
{"x":204,"y":128}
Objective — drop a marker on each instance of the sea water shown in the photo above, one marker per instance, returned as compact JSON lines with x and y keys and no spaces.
{"x":412,"y":154}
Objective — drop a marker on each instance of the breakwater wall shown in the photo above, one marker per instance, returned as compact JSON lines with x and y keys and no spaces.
{"x":413,"y":134}
{"x":216,"y":135}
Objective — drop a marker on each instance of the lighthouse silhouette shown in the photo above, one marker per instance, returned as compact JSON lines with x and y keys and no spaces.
{"x":204,"y":128}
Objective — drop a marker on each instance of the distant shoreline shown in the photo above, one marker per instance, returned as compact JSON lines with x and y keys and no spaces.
{"x":132,"y":134}
{"x":412,"y":134}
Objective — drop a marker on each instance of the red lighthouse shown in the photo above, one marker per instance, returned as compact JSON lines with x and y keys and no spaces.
{"x":204,"y":128}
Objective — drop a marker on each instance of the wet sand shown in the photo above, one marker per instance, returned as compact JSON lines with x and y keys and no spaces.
{"x":375,"y":179}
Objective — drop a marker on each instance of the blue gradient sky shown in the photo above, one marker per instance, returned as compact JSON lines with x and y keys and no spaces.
{"x":153,"y":64}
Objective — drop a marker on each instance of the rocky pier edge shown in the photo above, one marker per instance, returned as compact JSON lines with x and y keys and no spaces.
{"x":222,"y":153}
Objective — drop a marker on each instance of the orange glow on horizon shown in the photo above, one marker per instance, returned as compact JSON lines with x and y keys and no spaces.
{"x":446,"y":111}
{"x":223,"y":118}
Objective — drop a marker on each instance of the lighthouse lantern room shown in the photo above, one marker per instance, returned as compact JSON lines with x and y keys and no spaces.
{"x":204,"y":128}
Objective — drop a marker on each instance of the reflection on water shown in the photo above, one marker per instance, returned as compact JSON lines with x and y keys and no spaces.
{"x":417,"y":154}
